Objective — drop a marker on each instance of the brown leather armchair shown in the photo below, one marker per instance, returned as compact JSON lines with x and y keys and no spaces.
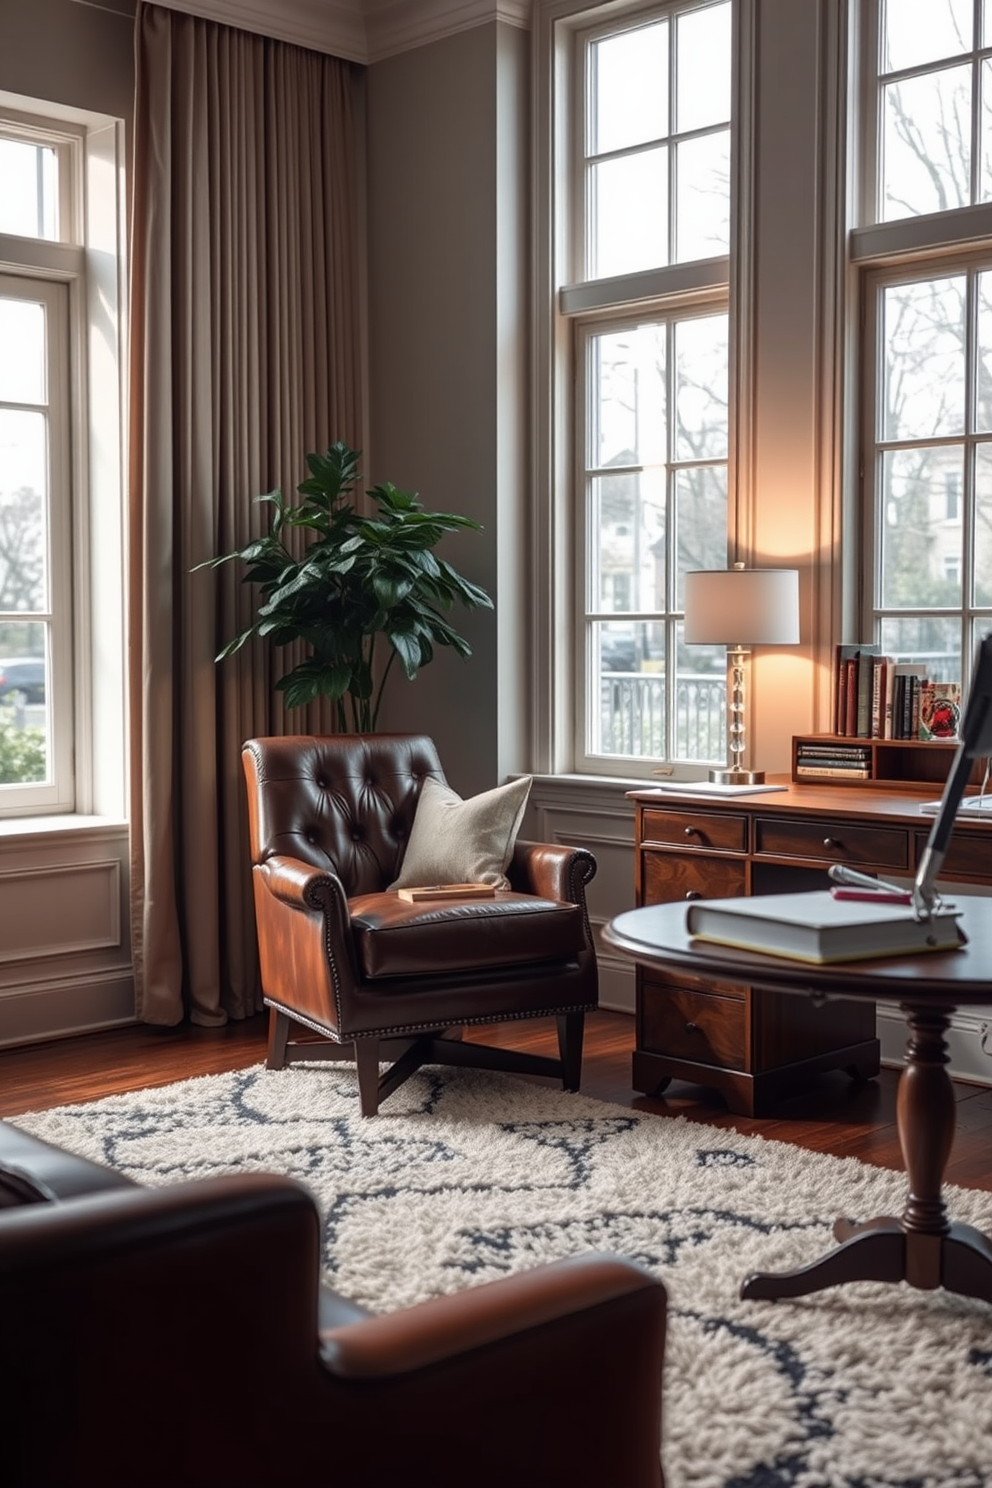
{"x":377,"y":977}
{"x":180,"y":1335}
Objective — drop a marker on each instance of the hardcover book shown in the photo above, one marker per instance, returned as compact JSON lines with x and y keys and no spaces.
{"x":448,"y":891}
{"x":814,"y":926}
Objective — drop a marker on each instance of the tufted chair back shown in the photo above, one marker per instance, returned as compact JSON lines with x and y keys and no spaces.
{"x":342,"y":802}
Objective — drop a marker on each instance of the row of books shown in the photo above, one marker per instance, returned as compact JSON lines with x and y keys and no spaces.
{"x":843,"y":761}
{"x":878,"y":697}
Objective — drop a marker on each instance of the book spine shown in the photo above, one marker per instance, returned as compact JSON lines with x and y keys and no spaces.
{"x":837,"y":760}
{"x":865,"y":671}
{"x":877,"y":695}
{"x":890,"y":677}
{"x":836,"y":751}
{"x":851,"y":699}
{"x":840,"y":693}
{"x":906,"y":710}
{"x":839,"y":772}
{"x":914,"y":717}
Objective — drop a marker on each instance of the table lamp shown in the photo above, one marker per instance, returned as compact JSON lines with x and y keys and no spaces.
{"x":738,"y":608}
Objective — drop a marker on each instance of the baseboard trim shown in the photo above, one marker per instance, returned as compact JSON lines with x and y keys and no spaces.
{"x":969,"y":1042}
{"x":61,"y":1009}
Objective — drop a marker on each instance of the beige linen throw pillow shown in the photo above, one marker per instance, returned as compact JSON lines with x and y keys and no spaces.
{"x":456,"y":841}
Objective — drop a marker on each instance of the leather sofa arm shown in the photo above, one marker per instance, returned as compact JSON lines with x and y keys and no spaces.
{"x":551,"y":870}
{"x":460,"y":1322}
{"x":32,"y":1171}
{"x":551,"y":1376}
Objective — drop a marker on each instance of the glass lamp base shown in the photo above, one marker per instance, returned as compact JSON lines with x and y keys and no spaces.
{"x":737,"y":777}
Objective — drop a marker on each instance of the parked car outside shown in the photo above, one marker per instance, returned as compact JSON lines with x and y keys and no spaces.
{"x":25,"y":674}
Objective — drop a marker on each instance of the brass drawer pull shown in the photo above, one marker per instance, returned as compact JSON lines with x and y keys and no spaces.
{"x":693,"y":894}
{"x":830,"y":842}
{"x":692,"y":832}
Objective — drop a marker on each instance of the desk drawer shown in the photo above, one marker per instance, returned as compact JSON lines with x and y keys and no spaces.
{"x":695,"y":829}
{"x":669,"y":876}
{"x":696,"y":1026}
{"x":968,"y":857}
{"x":832,"y":842}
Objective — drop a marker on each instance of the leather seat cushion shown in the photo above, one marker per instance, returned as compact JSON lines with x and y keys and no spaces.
{"x":396,"y":939}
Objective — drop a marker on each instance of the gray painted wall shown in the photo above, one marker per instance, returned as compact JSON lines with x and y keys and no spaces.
{"x":447,"y":214}
{"x":68,"y":53}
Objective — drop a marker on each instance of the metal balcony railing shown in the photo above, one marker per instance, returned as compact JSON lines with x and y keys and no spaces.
{"x":633,"y":708}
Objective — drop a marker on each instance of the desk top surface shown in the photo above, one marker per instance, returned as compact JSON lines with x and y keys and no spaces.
{"x":867,"y":802}
{"x":655,"y":935}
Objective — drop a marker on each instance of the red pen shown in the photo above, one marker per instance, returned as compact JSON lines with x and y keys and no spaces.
{"x":872,"y":896}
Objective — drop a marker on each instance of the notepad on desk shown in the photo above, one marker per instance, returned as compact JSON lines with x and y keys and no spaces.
{"x":706,"y":788}
{"x":969,"y":806}
{"x":817,"y":928}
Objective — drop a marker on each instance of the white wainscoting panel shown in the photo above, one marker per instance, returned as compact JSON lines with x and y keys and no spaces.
{"x":84,"y":904}
{"x":65,"y":945}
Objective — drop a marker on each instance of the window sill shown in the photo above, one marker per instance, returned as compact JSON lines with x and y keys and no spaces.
{"x":38,"y":828}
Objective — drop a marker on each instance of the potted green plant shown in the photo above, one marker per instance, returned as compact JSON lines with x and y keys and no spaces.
{"x":358,"y":578}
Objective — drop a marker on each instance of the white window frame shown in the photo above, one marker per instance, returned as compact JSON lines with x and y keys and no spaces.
{"x":558,"y":743}
{"x":56,"y":792}
{"x":882,"y":253}
{"x":88,"y":266}
{"x":668,"y":313}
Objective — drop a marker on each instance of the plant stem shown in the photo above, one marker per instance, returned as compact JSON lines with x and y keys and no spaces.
{"x":378,"y":696}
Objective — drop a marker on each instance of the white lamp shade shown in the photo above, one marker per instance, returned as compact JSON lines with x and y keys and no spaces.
{"x":742,"y":607}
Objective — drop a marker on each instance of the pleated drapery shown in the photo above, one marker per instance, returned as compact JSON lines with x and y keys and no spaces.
{"x":245,"y":355}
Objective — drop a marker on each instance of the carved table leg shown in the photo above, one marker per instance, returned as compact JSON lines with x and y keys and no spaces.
{"x":921,"y":1247}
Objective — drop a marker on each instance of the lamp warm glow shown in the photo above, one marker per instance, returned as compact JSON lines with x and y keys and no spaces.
{"x":738,"y":608}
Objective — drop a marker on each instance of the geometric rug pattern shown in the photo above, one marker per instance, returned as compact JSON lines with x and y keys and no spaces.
{"x":465,"y":1176}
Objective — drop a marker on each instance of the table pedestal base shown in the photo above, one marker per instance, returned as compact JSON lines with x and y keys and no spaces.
{"x":884,"y":1250}
{"x":922,"y":1247}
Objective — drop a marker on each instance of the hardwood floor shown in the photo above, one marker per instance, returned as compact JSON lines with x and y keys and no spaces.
{"x":832,"y":1115}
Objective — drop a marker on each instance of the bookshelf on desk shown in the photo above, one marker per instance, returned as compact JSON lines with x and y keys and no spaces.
{"x":757,"y":1046}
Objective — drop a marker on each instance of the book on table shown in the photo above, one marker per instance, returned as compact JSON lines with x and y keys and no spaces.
{"x":447,"y":891}
{"x":815,"y":927}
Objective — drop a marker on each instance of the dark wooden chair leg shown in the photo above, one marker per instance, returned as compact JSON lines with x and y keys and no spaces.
{"x":279,"y":1024}
{"x":571,"y":1027}
{"x":367,"y":1060}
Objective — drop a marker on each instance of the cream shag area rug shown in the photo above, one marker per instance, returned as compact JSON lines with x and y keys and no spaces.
{"x":466,"y":1176}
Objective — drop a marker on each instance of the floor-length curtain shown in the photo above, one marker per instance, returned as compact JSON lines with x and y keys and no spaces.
{"x":245,"y":355}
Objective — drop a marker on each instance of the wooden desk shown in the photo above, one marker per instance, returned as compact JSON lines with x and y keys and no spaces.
{"x":712,"y":1031}
{"x":921,"y":1246}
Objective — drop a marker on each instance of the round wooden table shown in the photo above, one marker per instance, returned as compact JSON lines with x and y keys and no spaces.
{"x":922,"y":1245}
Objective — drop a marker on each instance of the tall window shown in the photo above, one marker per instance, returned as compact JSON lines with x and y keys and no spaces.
{"x":61,"y":725}
{"x":645,"y":183}
{"x":35,"y":479}
{"x":925,"y":246}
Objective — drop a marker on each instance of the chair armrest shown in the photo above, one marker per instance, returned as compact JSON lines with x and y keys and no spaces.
{"x":32,"y":1170}
{"x":305,"y":941}
{"x":551,"y":870}
{"x":460,"y":1322}
{"x":301,"y":885}
{"x":552,"y":1376}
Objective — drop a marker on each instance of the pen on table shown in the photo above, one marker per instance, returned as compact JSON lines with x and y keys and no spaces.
{"x":853,"y":878}
{"x":872,"y":896}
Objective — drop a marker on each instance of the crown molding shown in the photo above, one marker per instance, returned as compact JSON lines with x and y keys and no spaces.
{"x":394,"y":26}
{"x":358,"y":30}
